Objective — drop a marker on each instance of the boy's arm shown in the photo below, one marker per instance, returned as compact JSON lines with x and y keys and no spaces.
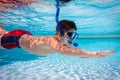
{"x":68,"y":50}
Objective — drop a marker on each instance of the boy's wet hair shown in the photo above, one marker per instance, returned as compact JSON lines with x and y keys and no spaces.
{"x":66,"y":25}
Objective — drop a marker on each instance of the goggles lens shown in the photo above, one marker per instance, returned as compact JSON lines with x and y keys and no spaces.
{"x":69,"y":34}
{"x":73,"y":35}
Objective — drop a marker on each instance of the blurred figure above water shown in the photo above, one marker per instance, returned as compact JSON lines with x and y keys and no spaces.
{"x":7,"y":5}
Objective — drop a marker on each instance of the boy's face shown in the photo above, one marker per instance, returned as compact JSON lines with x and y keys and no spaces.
{"x":68,"y":34}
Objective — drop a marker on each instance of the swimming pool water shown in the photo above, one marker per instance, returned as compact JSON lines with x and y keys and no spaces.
{"x":92,"y":17}
{"x":18,"y":64}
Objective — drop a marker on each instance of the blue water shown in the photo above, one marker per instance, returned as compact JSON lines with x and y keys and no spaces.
{"x":92,"y":17}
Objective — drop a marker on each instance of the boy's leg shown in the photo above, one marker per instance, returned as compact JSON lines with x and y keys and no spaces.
{"x":2,"y":30}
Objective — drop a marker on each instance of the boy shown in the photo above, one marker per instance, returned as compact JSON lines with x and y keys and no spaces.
{"x":47,"y":44}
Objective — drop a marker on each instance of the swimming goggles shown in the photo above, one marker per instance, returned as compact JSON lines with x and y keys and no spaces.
{"x":73,"y":36}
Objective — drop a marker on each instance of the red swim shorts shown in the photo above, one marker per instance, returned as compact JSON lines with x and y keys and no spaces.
{"x":11,"y":39}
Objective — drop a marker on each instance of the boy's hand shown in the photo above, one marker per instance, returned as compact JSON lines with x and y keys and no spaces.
{"x":103,"y":53}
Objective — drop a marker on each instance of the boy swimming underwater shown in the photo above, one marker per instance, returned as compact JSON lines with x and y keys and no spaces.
{"x":47,"y":44}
